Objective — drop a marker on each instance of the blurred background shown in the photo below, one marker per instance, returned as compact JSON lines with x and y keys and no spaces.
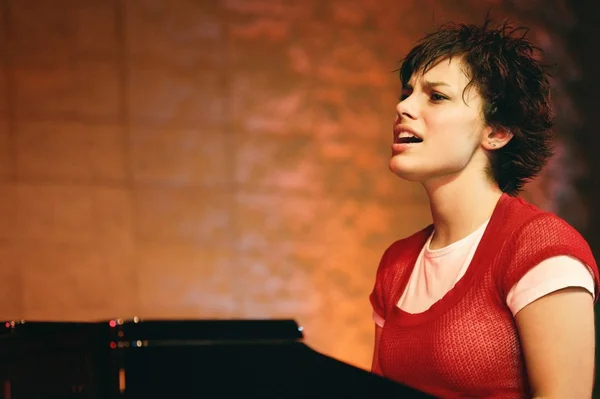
{"x":228,"y":158}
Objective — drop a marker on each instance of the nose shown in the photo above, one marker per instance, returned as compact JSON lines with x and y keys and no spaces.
{"x":406,"y":108}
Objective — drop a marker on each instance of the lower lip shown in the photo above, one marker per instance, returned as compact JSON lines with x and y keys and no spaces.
{"x":401,"y":147}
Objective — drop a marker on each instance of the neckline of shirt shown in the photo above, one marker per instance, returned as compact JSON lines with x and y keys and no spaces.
{"x":434,"y":253}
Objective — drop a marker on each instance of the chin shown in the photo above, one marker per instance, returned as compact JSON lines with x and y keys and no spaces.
{"x":404,"y":171}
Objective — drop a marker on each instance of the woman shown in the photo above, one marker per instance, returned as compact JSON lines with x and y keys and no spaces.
{"x":495,"y":298}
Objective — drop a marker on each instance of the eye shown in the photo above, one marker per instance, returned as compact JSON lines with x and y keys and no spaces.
{"x":404,"y":96}
{"x":437,"y":97}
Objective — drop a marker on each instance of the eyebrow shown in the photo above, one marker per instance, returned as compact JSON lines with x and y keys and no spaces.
{"x":429,"y":85}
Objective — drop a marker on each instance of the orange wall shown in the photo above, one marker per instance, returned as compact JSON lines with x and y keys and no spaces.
{"x":204,"y":160}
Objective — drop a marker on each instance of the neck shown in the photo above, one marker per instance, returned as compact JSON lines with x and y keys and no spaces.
{"x":460,"y":205}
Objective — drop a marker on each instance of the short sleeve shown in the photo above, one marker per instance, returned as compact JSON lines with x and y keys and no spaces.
{"x":380,"y":321}
{"x":550,"y":275}
{"x":377,"y":297}
{"x":543,"y":237}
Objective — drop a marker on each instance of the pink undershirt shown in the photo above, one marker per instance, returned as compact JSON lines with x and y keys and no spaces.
{"x":437,"y":271}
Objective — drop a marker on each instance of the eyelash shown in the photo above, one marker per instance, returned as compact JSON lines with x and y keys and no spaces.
{"x":436,"y":97}
{"x":439,"y":96}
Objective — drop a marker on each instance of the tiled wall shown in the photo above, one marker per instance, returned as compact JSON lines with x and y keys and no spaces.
{"x":204,"y":159}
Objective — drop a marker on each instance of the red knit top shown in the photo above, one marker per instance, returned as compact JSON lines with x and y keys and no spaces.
{"x":466,"y":344}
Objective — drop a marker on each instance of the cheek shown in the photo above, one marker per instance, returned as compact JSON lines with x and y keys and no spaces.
{"x":454,"y":127}
{"x":454,"y":140}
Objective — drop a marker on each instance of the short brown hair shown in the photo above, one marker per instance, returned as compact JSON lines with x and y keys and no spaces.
{"x":513,"y":83}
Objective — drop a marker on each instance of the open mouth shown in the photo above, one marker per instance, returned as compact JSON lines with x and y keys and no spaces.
{"x":408,"y":140}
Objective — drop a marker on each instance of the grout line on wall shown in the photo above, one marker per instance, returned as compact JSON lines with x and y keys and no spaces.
{"x":232,"y":143}
{"x":121,"y":11}
{"x":12,"y":137}
{"x":9,"y":75}
{"x":124,"y":114}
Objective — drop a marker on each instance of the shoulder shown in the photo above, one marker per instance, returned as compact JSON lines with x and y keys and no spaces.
{"x":396,"y":261}
{"x":533,"y":226}
{"x":532,"y":236}
{"x":405,"y":247}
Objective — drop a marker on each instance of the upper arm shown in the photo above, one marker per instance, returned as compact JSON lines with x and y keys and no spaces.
{"x":375,"y":365}
{"x":557,"y":337}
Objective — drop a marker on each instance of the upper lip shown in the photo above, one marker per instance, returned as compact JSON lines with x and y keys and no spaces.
{"x":402,"y":129}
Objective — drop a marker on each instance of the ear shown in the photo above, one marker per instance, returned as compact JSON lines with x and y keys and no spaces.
{"x":495,"y":138}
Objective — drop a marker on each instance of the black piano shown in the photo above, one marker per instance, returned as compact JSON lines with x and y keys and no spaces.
{"x":176,"y":359}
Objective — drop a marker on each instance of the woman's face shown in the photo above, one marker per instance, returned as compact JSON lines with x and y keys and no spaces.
{"x":449,"y":127}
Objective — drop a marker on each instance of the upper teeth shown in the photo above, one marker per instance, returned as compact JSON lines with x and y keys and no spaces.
{"x":406,"y":134}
